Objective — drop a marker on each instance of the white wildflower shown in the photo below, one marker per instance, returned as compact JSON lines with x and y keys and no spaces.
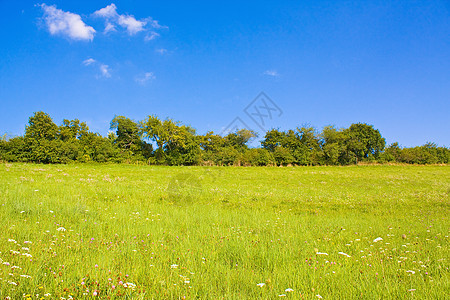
{"x":174,"y":266}
{"x":61,"y":229}
{"x":377,"y":239}
{"x":289,"y":290}
{"x":261,"y":284}
{"x":345,"y":254}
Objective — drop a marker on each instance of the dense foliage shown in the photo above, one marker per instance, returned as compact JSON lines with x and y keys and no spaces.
{"x":178,"y":144}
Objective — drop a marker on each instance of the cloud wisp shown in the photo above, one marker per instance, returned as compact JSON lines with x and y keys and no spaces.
{"x":128,"y":22}
{"x":109,"y":27}
{"x":66,"y":24}
{"x":151,"y":36}
{"x":148,"y":76}
{"x":272,"y":73}
{"x":161,"y":51}
{"x":105,"y":70}
{"x":89,"y":61}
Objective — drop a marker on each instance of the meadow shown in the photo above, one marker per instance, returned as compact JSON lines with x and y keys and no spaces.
{"x":104,"y":231}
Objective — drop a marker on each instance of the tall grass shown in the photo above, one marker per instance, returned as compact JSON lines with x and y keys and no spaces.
{"x":142,"y":232}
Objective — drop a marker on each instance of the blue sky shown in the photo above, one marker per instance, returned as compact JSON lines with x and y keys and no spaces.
{"x":385,"y":63}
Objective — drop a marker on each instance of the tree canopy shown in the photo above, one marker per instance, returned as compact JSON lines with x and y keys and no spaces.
{"x":168,"y":142}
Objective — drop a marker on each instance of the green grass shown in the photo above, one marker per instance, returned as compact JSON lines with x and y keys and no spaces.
{"x":218,"y":232}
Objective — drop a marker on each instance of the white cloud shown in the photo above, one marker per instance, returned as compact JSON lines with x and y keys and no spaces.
{"x":109,"y":27}
{"x":109,"y":11}
{"x":161,"y":51}
{"x":272,"y":73}
{"x":151,"y":36}
{"x":110,"y":14}
{"x":146,"y":77}
{"x":129,"y":22}
{"x":104,"y":69}
{"x":71,"y":25}
{"x":132,"y":25}
{"x":89,"y":61}
{"x":155,"y":24}
{"x":66,"y":24}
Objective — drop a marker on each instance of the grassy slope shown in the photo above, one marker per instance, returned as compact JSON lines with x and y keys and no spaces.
{"x":224,"y":230}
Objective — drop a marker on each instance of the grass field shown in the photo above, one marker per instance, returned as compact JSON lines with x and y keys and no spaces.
{"x":148,"y":232}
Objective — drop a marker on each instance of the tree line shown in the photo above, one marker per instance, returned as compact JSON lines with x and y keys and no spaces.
{"x":166,"y":142}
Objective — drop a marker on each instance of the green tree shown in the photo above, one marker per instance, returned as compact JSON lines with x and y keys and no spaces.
{"x":282,"y":145}
{"x":239,"y":139}
{"x":95,"y":148}
{"x":307,"y":150}
{"x":71,"y":130}
{"x":258,"y":157}
{"x":128,"y":138}
{"x":272,"y":139}
{"x":127,"y":132}
{"x":13,"y":149}
{"x":172,"y":139}
{"x":334,"y":146}
{"x":392,"y":153}
{"x":300,"y":146}
{"x":211,"y":142}
{"x":364,"y":141}
{"x":40,"y":133}
{"x":186,"y":149}
{"x":283,"y":156}
{"x":40,"y":127}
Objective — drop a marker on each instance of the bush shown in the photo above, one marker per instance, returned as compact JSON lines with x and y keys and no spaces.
{"x":258,"y":157}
